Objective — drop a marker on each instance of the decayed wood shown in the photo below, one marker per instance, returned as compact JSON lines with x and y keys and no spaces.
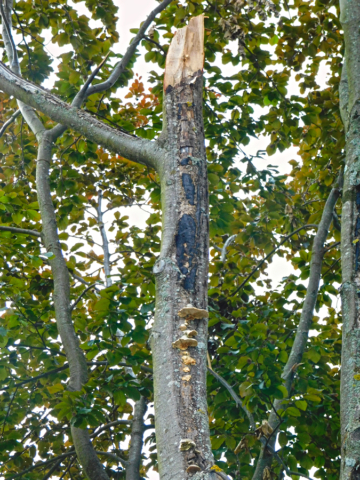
{"x":186,"y":53}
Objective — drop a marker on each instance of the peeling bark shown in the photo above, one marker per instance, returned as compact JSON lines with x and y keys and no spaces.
{"x":181,"y":271}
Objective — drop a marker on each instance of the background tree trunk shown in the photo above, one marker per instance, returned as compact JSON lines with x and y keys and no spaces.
{"x":350,"y":249}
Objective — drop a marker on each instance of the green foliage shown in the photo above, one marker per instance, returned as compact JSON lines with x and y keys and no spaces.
{"x":280,"y":49}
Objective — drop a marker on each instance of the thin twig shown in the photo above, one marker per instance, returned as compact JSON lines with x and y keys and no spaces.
{"x":81,"y":296}
{"x":52,"y":469}
{"x":259,"y":265}
{"x":109,"y":425}
{"x":80,"y":96}
{"x":155,"y":43}
{"x":331,"y":246}
{"x":122,"y":65}
{"x":9,"y":122}
{"x":8,"y":410}
{"x":25,"y":231}
{"x":38,"y":348}
{"x":238,"y":401}
{"x":332,"y":266}
{"x":64,"y":367}
{"x":34,"y":379}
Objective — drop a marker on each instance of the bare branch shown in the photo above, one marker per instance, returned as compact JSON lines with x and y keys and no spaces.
{"x":52,"y":469}
{"x":64,"y":367}
{"x":80,"y":97}
{"x":121,"y":66}
{"x":155,"y":43}
{"x":9,"y":41}
{"x":105,"y":242}
{"x":34,"y":379}
{"x":263,"y":440}
{"x":114,"y":457}
{"x":78,"y":278}
{"x":60,"y":458}
{"x":344,"y":96}
{"x":25,"y":231}
{"x":42,"y":464}
{"x":38,"y":348}
{"x":27,"y":112}
{"x":136,"y":441}
{"x":9,"y":122}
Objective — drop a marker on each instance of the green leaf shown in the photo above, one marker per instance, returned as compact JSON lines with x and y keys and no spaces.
{"x":294,"y":412}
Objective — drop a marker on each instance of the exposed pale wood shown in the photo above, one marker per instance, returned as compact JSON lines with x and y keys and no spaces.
{"x":186,"y":53}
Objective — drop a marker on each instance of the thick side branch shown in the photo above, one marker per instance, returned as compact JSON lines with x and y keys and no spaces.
{"x":136,"y":149}
{"x":305,"y":323}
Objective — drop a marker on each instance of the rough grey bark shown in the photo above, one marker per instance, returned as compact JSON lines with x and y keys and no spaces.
{"x":181,"y":279}
{"x":350,"y":362}
{"x":302,"y":333}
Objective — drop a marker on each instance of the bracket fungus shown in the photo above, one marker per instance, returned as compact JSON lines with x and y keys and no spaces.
{"x":186,"y":444}
{"x":193,"y":469}
{"x":187,"y":360}
{"x":191,"y":313}
{"x":184,"y":342}
{"x":186,"y":378}
{"x":190,"y":333}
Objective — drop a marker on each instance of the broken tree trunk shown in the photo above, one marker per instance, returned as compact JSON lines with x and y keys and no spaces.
{"x":179,"y":341}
